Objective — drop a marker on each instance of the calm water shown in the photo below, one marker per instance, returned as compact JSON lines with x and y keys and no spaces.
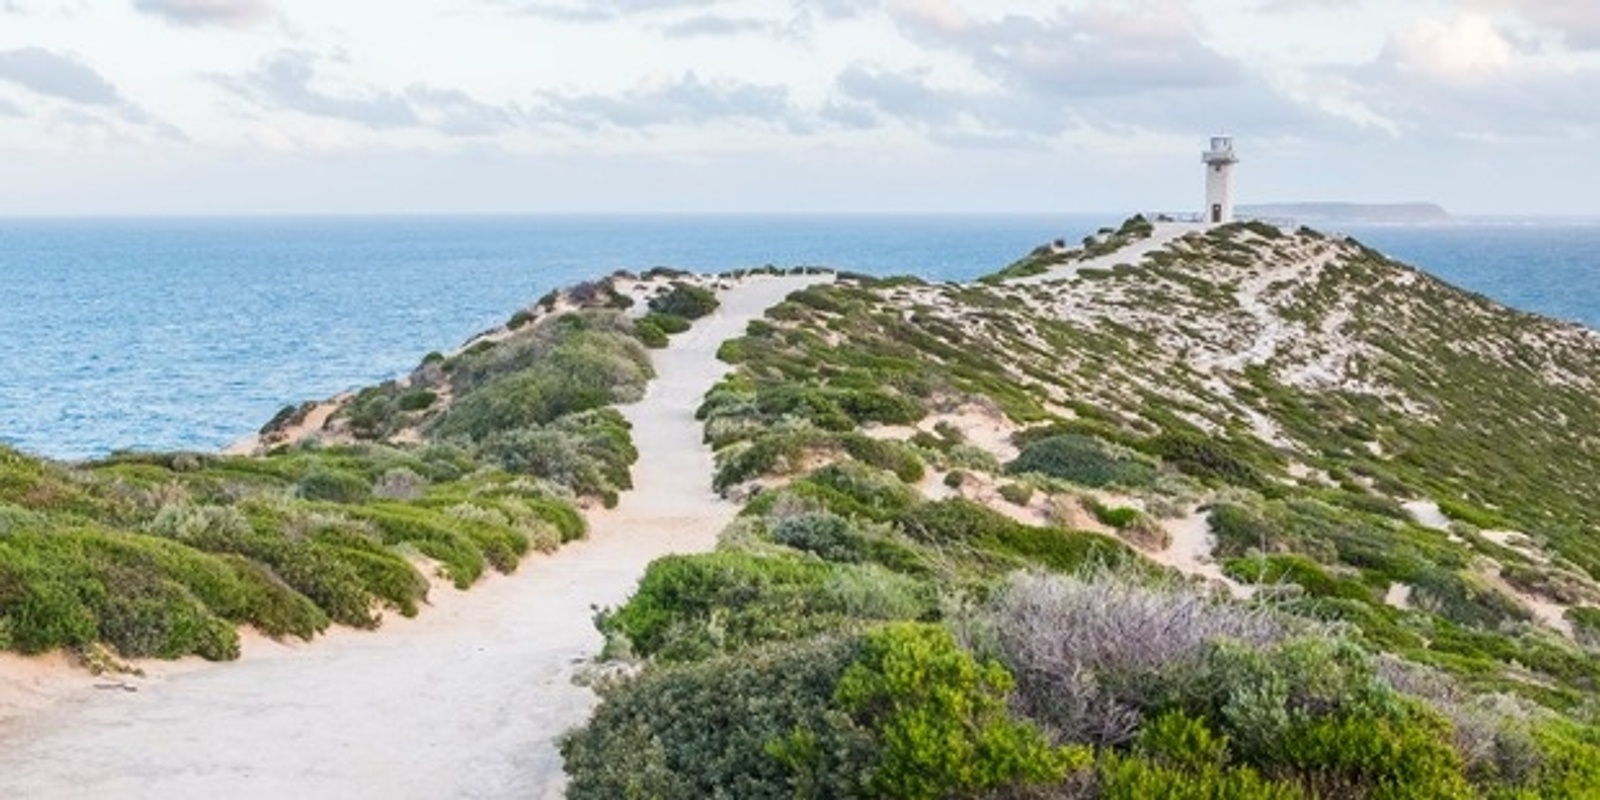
{"x":1552,"y":269}
{"x":164,"y":334}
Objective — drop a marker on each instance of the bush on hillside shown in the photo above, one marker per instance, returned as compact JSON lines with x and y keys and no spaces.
{"x":902,"y":712}
{"x":670,"y":734}
{"x":670,"y":324}
{"x":1205,"y":457}
{"x":961,"y":523}
{"x":828,"y":536}
{"x":689,"y":607}
{"x":334,"y":485}
{"x":942,"y":719}
{"x":685,"y":300}
{"x":650,"y":334}
{"x":1083,"y":460}
{"x":1092,"y":654}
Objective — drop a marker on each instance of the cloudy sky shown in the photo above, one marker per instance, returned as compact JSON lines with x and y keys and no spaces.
{"x":305,"y":106}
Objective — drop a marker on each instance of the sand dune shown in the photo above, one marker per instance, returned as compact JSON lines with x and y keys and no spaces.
{"x":465,"y":701}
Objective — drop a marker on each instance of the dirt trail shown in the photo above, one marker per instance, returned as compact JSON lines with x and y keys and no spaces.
{"x":465,"y":701}
{"x":1190,"y":551}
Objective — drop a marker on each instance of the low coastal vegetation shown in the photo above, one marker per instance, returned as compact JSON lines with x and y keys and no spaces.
{"x":468,"y":465}
{"x":1264,"y":516}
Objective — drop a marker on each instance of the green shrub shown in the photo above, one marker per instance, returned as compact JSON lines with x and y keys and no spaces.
{"x":1313,"y":711}
{"x":962,"y":523}
{"x":942,"y":718}
{"x":685,"y":300}
{"x":564,"y":364}
{"x":1464,"y":599}
{"x":1476,"y":517}
{"x":761,"y":726}
{"x":1018,"y":494}
{"x":1179,"y":740}
{"x":1205,"y":457}
{"x":587,"y":465}
{"x":519,"y":401}
{"x":670,"y":324}
{"x":690,"y":607}
{"x":1239,"y":529}
{"x":1083,"y":460}
{"x":1298,"y":570}
{"x":762,"y":456}
{"x":827,"y":535}
{"x":1567,"y":760}
{"x":144,"y":596}
{"x":1585,"y":622}
{"x":893,"y":456}
{"x":334,"y":486}
{"x":858,"y":490}
{"x":650,"y":334}
{"x":1123,"y":777}
{"x":1118,"y":517}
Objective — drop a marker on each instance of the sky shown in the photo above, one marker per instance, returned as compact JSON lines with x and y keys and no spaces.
{"x":791,"y":106}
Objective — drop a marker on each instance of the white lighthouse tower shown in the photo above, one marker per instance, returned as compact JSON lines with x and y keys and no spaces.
{"x":1219,"y":162}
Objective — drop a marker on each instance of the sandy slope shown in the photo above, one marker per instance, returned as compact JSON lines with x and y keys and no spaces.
{"x":1165,"y":233}
{"x":465,"y":701}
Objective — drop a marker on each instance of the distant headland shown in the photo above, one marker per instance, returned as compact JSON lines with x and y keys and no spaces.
{"x":1325,"y":213}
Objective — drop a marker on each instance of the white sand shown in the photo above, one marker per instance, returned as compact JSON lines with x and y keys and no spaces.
{"x":1427,"y":514}
{"x":1189,"y":550}
{"x":465,"y":701}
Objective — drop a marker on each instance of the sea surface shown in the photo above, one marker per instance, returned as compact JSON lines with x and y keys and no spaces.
{"x":191,"y":333}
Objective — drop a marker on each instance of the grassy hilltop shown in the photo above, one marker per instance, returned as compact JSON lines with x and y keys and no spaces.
{"x":1261,"y":514}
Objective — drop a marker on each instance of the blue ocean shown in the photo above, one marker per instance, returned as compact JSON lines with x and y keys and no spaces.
{"x":190,"y":333}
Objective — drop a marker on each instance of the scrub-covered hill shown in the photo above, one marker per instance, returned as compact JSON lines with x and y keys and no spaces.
{"x":343,"y":510}
{"x":1252,"y":513}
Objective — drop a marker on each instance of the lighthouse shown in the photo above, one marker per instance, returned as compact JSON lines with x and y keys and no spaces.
{"x":1219,"y":161}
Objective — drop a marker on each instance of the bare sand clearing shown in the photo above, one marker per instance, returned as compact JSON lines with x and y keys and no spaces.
{"x":1189,"y":551}
{"x":467,"y":700}
{"x":1427,"y":514}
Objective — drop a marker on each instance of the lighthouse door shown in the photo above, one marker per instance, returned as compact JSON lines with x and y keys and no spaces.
{"x":1216,"y":212}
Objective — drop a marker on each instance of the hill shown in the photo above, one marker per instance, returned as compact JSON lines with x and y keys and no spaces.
{"x":1184,"y":511}
{"x":1253,"y":513}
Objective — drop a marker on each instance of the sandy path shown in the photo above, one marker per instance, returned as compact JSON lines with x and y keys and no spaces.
{"x":1190,"y":549}
{"x":465,"y":701}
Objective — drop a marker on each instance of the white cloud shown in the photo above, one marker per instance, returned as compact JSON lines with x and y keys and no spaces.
{"x":1465,"y":50}
{"x":288,"y":81}
{"x":914,"y":87}
{"x":227,"y":13}
{"x":57,"y":75}
{"x":686,"y":100}
{"x":1576,"y":22}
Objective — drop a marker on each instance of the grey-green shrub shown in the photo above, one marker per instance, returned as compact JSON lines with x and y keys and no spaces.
{"x":685,"y":300}
{"x":1084,"y":460}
